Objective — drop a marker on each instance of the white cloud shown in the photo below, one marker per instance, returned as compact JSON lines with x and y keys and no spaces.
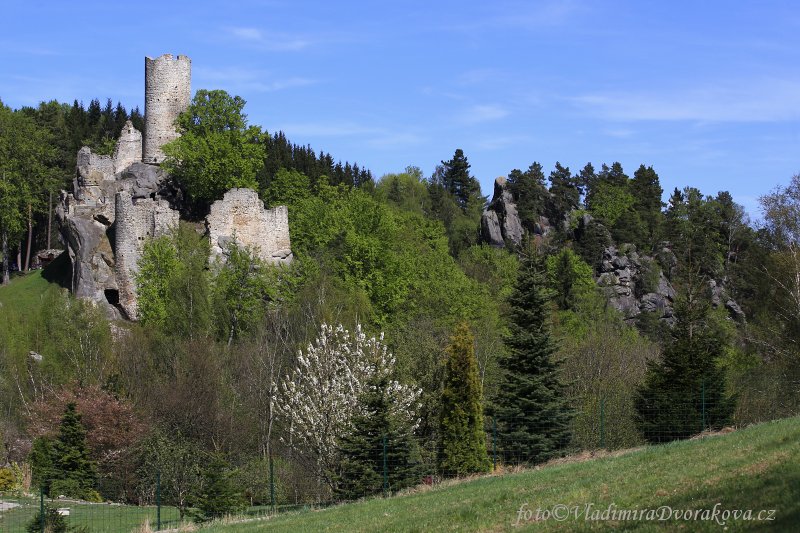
{"x":765,"y":100}
{"x":248,"y":80}
{"x":272,"y":41}
{"x":484,"y":113}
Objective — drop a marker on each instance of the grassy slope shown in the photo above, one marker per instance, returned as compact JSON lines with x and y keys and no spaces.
{"x":24,"y":293}
{"x":755,"y":468}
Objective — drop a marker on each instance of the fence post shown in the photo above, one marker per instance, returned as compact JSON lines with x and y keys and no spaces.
{"x":158,"y":501}
{"x":602,"y":422}
{"x":385,"y":469}
{"x":41,"y":509}
{"x":494,"y":444}
{"x":271,"y":484}
{"x":703,"y":402}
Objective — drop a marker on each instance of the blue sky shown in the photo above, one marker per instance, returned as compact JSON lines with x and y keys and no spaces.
{"x":706,"y":92}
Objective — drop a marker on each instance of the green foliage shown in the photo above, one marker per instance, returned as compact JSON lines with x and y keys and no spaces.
{"x":218,"y":496}
{"x":172,"y":283}
{"x":570,"y":278}
{"x":41,"y":460}
{"x":288,"y":187}
{"x":647,"y":191}
{"x":242,"y":287}
{"x":686,"y":392}
{"x":377,"y":426}
{"x":530,"y":193}
{"x":157,"y":267}
{"x":406,"y":190}
{"x":7,"y":480}
{"x":216,"y":151}
{"x":72,"y":462}
{"x":590,"y":242}
{"x":565,"y":193}
{"x":462,"y":448}
{"x":531,"y":410}
{"x":610,"y":203}
{"x":458,"y":182}
{"x":53,"y":522}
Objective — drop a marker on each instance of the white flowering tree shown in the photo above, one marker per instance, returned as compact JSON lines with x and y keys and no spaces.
{"x":321,"y":394}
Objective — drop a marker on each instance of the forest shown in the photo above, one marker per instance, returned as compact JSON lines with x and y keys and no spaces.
{"x":397,"y":326}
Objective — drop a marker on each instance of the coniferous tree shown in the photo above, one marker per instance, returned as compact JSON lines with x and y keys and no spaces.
{"x":647,"y":191}
{"x":531,"y":411}
{"x":218,"y":496}
{"x":565,"y":193}
{"x":377,"y":428}
{"x":685,"y":392}
{"x":72,"y":461}
{"x":458,"y":181}
{"x":530,"y":193}
{"x":41,"y":460}
{"x":462,"y":449}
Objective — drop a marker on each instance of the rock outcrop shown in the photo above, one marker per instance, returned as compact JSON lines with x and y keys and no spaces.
{"x":500,"y":222}
{"x":634,"y":283}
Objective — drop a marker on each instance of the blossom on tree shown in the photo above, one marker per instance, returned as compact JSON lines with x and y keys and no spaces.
{"x":320,"y":396}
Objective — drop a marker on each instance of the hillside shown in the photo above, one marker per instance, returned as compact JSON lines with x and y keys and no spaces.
{"x":756,"y":468}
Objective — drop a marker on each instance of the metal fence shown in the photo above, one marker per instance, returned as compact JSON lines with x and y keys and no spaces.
{"x":290,"y":482}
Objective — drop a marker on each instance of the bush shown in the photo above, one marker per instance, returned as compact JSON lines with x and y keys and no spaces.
{"x":7,"y":480}
{"x":53,"y":522}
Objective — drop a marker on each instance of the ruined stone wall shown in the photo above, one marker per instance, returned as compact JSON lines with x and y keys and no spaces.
{"x":241,"y":217}
{"x":167,"y":88}
{"x":136,"y":222}
{"x":129,"y":147}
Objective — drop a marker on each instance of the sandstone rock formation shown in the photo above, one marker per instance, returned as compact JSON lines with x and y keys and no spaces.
{"x":240,"y":217}
{"x":500,"y":223}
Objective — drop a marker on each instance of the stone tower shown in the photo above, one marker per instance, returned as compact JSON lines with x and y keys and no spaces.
{"x":167,"y":92}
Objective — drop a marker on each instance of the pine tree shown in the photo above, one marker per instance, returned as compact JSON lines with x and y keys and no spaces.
{"x":532,"y":414}
{"x":565,"y":193}
{"x":73,"y":467}
{"x":530,"y":194}
{"x":647,"y":191}
{"x":464,"y":188}
{"x":462,"y":449}
{"x":378,"y":427}
{"x":218,"y":496}
{"x":684,"y":393}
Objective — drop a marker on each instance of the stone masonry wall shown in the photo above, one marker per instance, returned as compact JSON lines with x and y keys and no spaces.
{"x":136,"y":222}
{"x":241,"y":217}
{"x":129,"y":147}
{"x":167,"y":88}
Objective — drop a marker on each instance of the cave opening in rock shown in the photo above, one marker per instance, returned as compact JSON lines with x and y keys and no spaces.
{"x":112,"y":296}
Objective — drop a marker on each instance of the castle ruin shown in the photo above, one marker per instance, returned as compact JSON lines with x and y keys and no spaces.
{"x":119,"y":202}
{"x":167,"y":92}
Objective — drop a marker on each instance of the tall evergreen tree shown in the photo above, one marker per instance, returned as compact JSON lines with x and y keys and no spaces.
{"x":685,"y":392}
{"x":458,"y":181}
{"x":378,"y":430}
{"x":218,"y":497}
{"x":565,"y":193}
{"x":530,"y":193}
{"x":647,"y":191}
{"x":72,"y":461}
{"x":462,"y":449}
{"x":532,"y":414}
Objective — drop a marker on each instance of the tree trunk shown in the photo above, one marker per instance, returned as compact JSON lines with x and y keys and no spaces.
{"x":6,"y":277}
{"x":30,"y":238}
{"x":49,"y":217}
{"x":19,"y":256}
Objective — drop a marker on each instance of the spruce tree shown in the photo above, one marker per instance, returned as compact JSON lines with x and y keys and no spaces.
{"x":72,"y":461}
{"x":647,"y":191}
{"x":532,"y":415}
{"x":462,"y":448}
{"x":376,"y":428}
{"x":218,"y":496}
{"x":565,"y":193}
{"x":464,"y":188}
{"x":684,"y":393}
